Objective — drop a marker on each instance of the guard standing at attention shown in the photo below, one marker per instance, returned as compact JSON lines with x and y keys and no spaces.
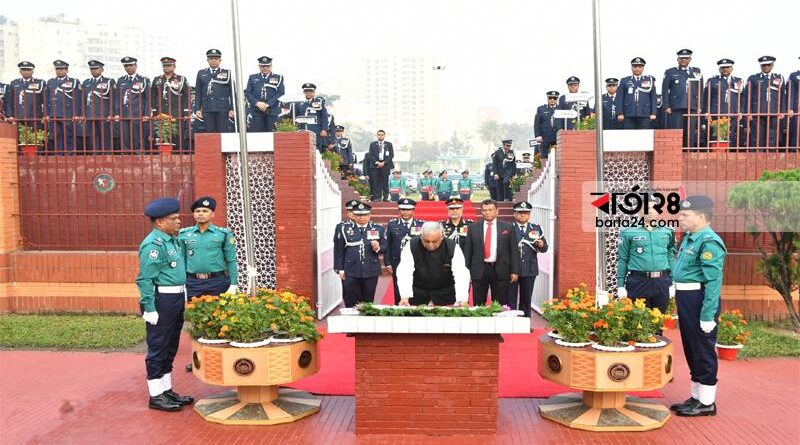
{"x":356,"y":256}
{"x":455,"y":226}
{"x":213,"y":100}
{"x":162,"y":295}
{"x":263,"y":93}
{"x":530,"y":241}
{"x":636,"y":101}
{"x":400,"y":231}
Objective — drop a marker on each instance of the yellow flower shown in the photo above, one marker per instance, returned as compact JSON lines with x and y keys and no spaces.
{"x":224,"y":329}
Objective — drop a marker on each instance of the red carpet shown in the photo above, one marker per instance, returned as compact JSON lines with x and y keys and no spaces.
{"x":437,"y":211}
{"x":518,"y":369}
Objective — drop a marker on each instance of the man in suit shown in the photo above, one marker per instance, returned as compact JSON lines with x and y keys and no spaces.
{"x":379,"y":158}
{"x":491,"y":255}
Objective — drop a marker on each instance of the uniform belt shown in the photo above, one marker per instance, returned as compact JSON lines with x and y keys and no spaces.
{"x":659,"y":274}
{"x":207,"y":275}
{"x":170,"y":289}
{"x":687,"y":286}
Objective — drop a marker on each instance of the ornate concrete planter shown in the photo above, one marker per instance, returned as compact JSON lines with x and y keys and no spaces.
{"x":256,"y":372}
{"x":604,"y":377}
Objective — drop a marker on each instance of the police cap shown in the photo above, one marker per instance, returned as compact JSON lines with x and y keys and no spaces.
{"x":454,"y":203}
{"x":264,"y":61}
{"x":553,"y":94}
{"x":58,"y":63}
{"x":339,"y":128}
{"x":166,"y":61}
{"x":362,"y":208}
{"x":161,"y":207}
{"x":612,"y":81}
{"x":213,"y":53}
{"x":127,"y":60}
{"x":697,"y":202}
{"x":309,"y":87}
{"x":638,"y":61}
{"x":573,"y":80}
{"x":25,"y":65}
{"x":684,"y":53}
{"x":350,"y":204}
{"x":722,"y":63}
{"x":205,"y":201}
{"x":95,"y":64}
{"x":406,"y":204}
{"x":507,"y":141}
{"x":465,"y":171}
{"x":523,"y":206}
{"x":766,"y":60}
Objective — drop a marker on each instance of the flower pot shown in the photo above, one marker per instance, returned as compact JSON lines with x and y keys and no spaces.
{"x":621,"y":348}
{"x":671,"y":324}
{"x":728,"y":352}
{"x":284,"y":338}
{"x":29,"y":150}
{"x":553,"y":334}
{"x":165,"y":148}
{"x":570,"y":344}
{"x":655,"y":344}
{"x":252,"y":344}
{"x":719,"y":144}
{"x":213,"y":341}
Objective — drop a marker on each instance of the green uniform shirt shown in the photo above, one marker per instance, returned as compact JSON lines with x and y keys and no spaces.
{"x":465,"y":184}
{"x":398,"y":184}
{"x":444,"y":186}
{"x":427,"y":182}
{"x":700,"y":260}
{"x":644,"y":250}
{"x":161,"y":263}
{"x":213,"y":250}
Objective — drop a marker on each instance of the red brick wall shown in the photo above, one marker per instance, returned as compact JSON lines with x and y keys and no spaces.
{"x":295,"y":212}
{"x":426,"y":384}
{"x":209,"y":173}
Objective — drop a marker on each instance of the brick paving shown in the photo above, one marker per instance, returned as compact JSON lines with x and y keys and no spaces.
{"x":99,"y":398}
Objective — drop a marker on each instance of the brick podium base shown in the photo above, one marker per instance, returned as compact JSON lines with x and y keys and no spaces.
{"x":426,"y":384}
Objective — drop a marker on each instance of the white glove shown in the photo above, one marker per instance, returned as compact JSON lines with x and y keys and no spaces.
{"x":232,"y":289}
{"x":672,"y":291}
{"x":707,"y":326}
{"x":150,"y":317}
{"x":622,"y":293}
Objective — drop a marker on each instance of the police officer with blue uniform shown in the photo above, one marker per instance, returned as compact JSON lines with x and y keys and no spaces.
{"x":546,"y":126}
{"x":314,"y":107}
{"x":263,"y":93}
{"x":505,"y":168}
{"x":64,"y":99}
{"x":724,"y":99}
{"x":162,"y":295}
{"x":646,"y":256}
{"x":213,"y":100}
{"x":697,"y":275}
{"x":134,"y":107}
{"x":530,"y":241}
{"x":357,"y":256}
{"x":398,"y":232}
{"x":345,"y":150}
{"x":610,"y":121}
{"x":171,"y":95}
{"x":792,"y":93}
{"x":488,"y":179}
{"x":681,"y":91}
{"x":99,"y":104}
{"x":583,"y":109}
{"x":26,"y":96}
{"x":765,"y":97}
{"x":339,"y":233}
{"x":636,"y":100}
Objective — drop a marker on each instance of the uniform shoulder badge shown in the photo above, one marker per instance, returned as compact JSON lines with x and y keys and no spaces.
{"x":153,"y":254}
{"x":707,"y":255}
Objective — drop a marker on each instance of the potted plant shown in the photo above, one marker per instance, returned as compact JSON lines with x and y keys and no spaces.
{"x":285,"y":126}
{"x":610,"y":331}
{"x":572,"y":317}
{"x":670,"y":318}
{"x":166,"y":131}
{"x":721,"y":129}
{"x":30,"y":139}
{"x":732,"y":334}
{"x":360,"y":188}
{"x":203,"y":315}
{"x":642,"y":324}
{"x":290,"y":317}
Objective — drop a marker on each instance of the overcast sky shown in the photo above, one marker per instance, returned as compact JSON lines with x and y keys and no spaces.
{"x":503,"y":53}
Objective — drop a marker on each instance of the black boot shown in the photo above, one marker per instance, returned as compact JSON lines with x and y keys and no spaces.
{"x":691,"y":401}
{"x":697,"y":410}
{"x":177,"y":398}
{"x":163,"y":403}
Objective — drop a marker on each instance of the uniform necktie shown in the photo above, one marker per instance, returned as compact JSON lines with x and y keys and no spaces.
{"x":487,"y":241}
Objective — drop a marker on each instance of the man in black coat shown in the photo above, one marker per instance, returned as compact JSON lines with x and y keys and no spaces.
{"x":491,"y":255}
{"x":379,"y":157}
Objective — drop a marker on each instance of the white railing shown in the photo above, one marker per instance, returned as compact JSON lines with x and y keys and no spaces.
{"x":542,"y":196}
{"x":328,"y":214}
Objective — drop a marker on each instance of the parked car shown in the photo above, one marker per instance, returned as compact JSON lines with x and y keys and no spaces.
{"x":411,"y":182}
{"x":478,"y":182}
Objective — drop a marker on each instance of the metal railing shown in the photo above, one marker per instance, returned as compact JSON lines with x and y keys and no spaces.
{"x":328,"y":213}
{"x":542,"y":196}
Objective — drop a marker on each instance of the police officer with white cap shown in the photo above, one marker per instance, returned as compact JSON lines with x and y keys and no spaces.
{"x":546,"y":126}
{"x":213,"y":100}
{"x":161,"y":279}
{"x":530,"y":241}
{"x":263,"y":93}
{"x":399,"y":231}
{"x":356,"y":255}
{"x":314,"y":107}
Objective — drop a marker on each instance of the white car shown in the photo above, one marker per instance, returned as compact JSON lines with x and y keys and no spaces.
{"x":411,"y":181}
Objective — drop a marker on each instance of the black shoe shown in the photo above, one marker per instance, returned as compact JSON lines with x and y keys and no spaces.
{"x":690,"y":402}
{"x":177,"y":398}
{"x":189,"y":367}
{"x":698,"y":410}
{"x":163,"y":403}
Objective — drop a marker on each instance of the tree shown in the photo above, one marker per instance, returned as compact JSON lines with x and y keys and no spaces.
{"x":771,"y":205}
{"x":490,"y":132}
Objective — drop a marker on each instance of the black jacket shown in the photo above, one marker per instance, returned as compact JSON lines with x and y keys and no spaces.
{"x":507,"y":252}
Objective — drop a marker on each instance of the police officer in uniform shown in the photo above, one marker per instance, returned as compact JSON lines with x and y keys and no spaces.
{"x":134,"y":107}
{"x":345,"y":150}
{"x":545,"y":127}
{"x":636,"y":102}
{"x":765,"y":98}
{"x":99,"y":104}
{"x":314,"y":106}
{"x":697,"y":275}
{"x":64,"y":99}
{"x":263,"y":93}
{"x":356,"y":260}
{"x":25,"y":98}
{"x":583,"y":109}
{"x":530,"y":241}
{"x":455,"y":226}
{"x":723,"y":98}
{"x":610,"y":121}
{"x":398,"y":232}
{"x":505,"y":167}
{"x":162,"y":274}
{"x":792,"y":93}
{"x":681,"y":91}
{"x":489,"y":181}
{"x":213,"y":100}
{"x":171,"y":95}
{"x":339,"y":234}
{"x":646,"y":256}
